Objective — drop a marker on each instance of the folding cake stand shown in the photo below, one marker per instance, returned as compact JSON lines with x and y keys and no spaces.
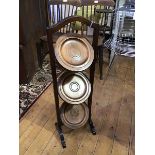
{"x":50,"y":33}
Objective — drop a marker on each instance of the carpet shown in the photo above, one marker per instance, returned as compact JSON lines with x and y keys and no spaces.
{"x":29,"y":93}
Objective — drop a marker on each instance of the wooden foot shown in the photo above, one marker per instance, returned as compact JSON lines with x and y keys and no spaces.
{"x":61,"y":135}
{"x":92,"y":127}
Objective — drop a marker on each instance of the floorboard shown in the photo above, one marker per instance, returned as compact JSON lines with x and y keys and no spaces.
{"x":113,"y":116}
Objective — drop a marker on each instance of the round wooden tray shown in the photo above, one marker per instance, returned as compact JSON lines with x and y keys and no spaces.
{"x":74,"y":116}
{"x":74,"y":52}
{"x":73,"y":87}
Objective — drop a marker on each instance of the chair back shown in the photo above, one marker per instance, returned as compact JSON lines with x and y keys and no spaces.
{"x":100,"y":12}
{"x":59,"y":10}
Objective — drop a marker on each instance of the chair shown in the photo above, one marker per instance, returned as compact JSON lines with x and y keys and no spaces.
{"x":123,"y":40}
{"x":50,"y":33}
{"x":55,"y":12}
{"x":102,"y":14}
{"x":106,"y":27}
{"x":59,"y":10}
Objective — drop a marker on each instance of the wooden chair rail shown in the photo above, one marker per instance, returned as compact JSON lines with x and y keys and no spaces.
{"x":71,"y":19}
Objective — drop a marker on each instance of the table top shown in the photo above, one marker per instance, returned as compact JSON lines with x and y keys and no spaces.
{"x":103,"y":2}
{"x":83,"y":2}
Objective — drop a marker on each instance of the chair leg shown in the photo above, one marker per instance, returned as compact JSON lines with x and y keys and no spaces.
{"x":97,"y":55}
{"x":101,"y":62}
{"x":109,"y":53}
{"x":112,"y":56}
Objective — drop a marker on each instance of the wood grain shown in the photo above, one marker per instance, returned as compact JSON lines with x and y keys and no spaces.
{"x":113,"y":116}
{"x":32,"y":113}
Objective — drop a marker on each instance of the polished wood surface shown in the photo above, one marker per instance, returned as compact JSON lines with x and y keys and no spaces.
{"x":113,"y":116}
{"x":74,"y":87}
{"x":74,"y":116}
{"x":74,"y":52}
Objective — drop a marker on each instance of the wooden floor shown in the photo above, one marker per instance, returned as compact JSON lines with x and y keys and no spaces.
{"x":113,"y":116}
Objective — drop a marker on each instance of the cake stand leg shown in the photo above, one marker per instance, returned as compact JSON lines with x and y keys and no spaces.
{"x":92,"y":127}
{"x":61,"y":135}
